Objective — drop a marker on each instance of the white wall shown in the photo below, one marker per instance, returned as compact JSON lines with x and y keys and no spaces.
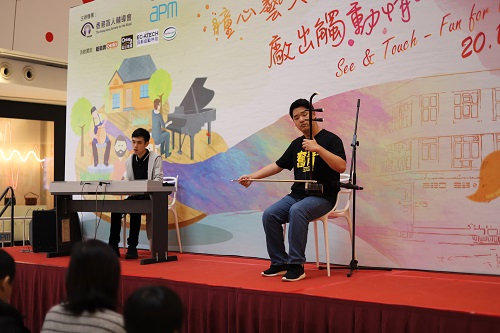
{"x":34,"y":34}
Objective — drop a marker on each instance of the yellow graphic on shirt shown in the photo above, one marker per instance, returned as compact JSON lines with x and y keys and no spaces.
{"x":303,"y":160}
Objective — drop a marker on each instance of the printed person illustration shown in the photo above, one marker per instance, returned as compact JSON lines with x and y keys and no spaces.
{"x":100,"y":137}
{"x":120,"y":151}
{"x":160,"y":134}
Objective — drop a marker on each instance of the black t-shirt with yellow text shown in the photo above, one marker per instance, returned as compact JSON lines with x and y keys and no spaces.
{"x":296,"y":158}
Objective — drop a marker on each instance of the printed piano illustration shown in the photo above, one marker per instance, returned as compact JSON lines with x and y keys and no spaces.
{"x":191,"y":115}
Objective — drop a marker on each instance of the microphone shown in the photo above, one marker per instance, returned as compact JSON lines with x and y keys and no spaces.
{"x":358,"y":102}
{"x":349,"y":186}
{"x":103,"y":183}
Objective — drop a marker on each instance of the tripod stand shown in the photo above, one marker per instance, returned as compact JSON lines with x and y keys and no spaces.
{"x":353,"y":265}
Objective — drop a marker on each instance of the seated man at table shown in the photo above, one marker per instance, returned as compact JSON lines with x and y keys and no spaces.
{"x":142,"y":164}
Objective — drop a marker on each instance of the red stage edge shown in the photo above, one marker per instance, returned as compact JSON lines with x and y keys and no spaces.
{"x":227,"y":294}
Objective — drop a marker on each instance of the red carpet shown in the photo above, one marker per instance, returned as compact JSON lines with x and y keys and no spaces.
{"x":227,"y":294}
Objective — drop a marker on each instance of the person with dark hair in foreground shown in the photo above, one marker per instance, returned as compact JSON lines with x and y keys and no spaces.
{"x":92,"y":281}
{"x":11,"y":321}
{"x":142,"y":164}
{"x":153,"y":309}
{"x":300,"y":206}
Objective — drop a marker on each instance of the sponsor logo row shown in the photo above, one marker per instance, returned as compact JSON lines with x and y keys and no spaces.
{"x":95,"y":26}
{"x":141,"y":39}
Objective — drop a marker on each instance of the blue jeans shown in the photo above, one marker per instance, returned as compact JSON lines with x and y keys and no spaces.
{"x":298,"y":213}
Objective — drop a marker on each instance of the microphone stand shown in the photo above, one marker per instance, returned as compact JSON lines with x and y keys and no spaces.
{"x":353,"y":265}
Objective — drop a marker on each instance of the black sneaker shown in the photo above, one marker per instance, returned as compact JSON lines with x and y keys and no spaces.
{"x":275,"y":270}
{"x":295,"y":273}
{"x":131,"y":253}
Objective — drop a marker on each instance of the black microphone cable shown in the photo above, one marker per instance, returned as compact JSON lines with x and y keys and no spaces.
{"x":81,"y":207}
{"x":102,"y":206}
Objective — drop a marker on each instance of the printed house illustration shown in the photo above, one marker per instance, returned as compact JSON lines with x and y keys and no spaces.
{"x":437,"y":142}
{"x":129,"y":86}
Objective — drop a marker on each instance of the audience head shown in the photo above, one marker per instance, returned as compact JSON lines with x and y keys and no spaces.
{"x":7,"y":273}
{"x":92,"y":278}
{"x":153,"y":309}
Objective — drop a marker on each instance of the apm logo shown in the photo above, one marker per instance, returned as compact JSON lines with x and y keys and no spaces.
{"x":169,"y":10}
{"x":87,"y":30}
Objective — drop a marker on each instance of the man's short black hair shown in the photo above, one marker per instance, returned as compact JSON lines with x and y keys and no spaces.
{"x":7,"y":265}
{"x":300,"y":102}
{"x":141,"y":133}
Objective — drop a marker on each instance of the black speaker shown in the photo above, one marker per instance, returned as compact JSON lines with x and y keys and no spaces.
{"x":43,"y":226}
{"x":68,"y":233}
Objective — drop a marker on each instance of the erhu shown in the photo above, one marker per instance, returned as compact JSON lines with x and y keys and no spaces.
{"x":312,"y":188}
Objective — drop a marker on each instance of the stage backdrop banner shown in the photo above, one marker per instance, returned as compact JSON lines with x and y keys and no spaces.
{"x":425,"y":75}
